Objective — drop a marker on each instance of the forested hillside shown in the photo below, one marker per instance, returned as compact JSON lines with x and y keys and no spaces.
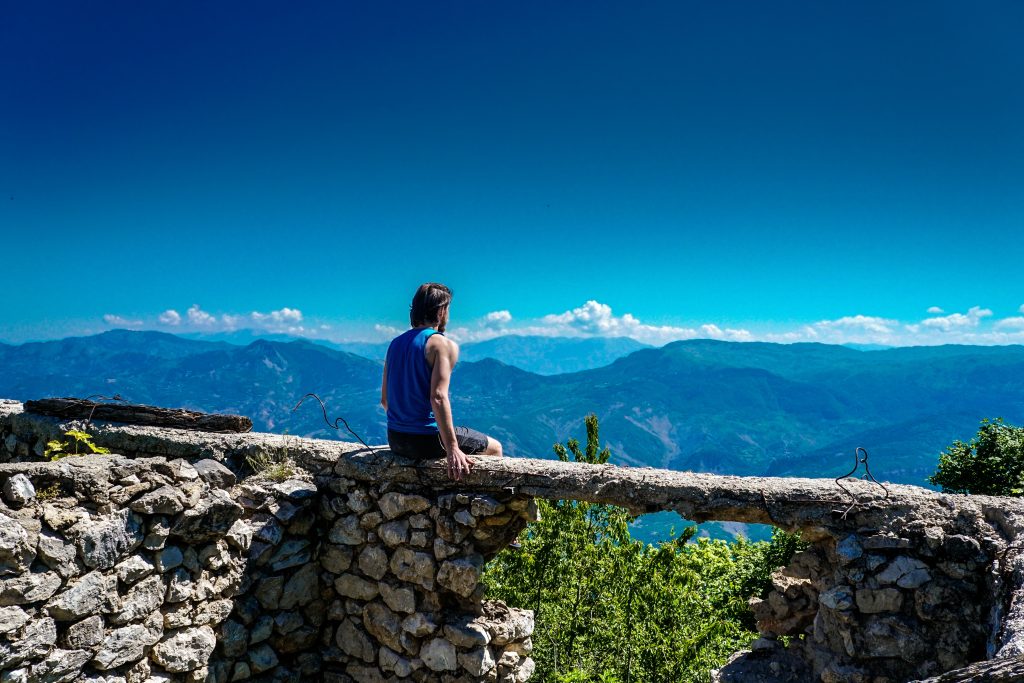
{"x":737,"y":408}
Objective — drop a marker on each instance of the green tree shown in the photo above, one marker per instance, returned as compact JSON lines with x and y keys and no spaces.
{"x":612,"y":609}
{"x":991,"y":463}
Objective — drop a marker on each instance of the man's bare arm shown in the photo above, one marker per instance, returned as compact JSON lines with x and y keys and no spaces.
{"x":445,"y":354}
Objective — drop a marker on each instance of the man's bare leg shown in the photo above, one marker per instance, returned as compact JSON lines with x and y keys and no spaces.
{"x":493,"y":448}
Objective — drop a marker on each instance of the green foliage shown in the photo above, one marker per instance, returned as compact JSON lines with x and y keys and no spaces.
{"x":50,"y":492}
{"x":614,"y":610}
{"x":275,"y":465}
{"x":991,"y":463}
{"x":77,"y":443}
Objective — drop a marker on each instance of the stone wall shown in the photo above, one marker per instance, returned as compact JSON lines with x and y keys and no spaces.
{"x":173,"y":562}
{"x":155,"y":569}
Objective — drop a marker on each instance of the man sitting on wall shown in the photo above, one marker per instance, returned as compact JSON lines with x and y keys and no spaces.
{"x":414,"y":389}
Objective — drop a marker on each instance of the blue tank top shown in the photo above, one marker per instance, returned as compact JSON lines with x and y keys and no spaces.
{"x":408,"y":384}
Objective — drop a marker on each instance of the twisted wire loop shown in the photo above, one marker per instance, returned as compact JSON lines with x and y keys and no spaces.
{"x":116,"y":398}
{"x":333,"y":425}
{"x":867,"y":476}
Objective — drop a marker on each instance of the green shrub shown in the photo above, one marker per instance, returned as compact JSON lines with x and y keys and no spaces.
{"x":991,"y":463}
{"x":612,"y":609}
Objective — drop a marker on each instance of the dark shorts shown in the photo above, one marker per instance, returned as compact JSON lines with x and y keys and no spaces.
{"x":428,"y":446}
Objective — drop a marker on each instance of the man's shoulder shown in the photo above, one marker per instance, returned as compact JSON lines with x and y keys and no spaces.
{"x":439,"y":341}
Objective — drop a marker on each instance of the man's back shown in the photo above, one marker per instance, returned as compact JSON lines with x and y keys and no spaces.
{"x":408,"y":383}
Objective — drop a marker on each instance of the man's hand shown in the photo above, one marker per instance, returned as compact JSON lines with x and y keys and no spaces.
{"x":458,"y":463}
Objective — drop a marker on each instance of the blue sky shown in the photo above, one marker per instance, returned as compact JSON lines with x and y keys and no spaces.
{"x":787,"y":170}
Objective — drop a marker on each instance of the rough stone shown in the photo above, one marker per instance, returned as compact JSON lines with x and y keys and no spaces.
{"x":166,"y":500}
{"x":477,"y":662}
{"x":215,"y":474}
{"x":12,"y":618}
{"x":240,"y":535}
{"x":29,"y":588}
{"x":882,"y":600}
{"x":262,"y":629}
{"x":399,"y":599}
{"x":85,"y":634}
{"x":38,"y":636}
{"x":419,"y":625}
{"x":394,"y":533}
{"x":383,"y":624}
{"x":134,"y":568}
{"x":143,"y":599}
{"x":93,"y":593}
{"x":461,"y":576}
{"x":103,"y":543}
{"x":179,"y":587}
{"x":373,"y":562}
{"x":128,"y":644}
{"x":346,"y":530}
{"x":268,"y":591}
{"x":353,"y":641}
{"x":186,"y":649}
{"x":414,"y":567}
{"x":336,"y":558}
{"x":301,"y":588}
{"x":905,"y":572}
{"x":292,"y":553}
{"x":395,"y":504}
{"x":55,"y":553}
{"x":358,"y":588}
{"x":837,"y":598}
{"x":439,"y":655}
{"x":60,"y":666}
{"x":467,"y":633}
{"x":262,"y":658}
{"x":849,"y":549}
{"x":209,"y":519}
{"x":16,"y":551}
{"x":234,"y":638}
{"x":19,"y":491}
{"x":169,"y":558}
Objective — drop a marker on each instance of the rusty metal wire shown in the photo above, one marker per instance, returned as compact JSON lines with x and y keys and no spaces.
{"x":858,"y":459}
{"x":116,"y":397}
{"x":333,"y":425}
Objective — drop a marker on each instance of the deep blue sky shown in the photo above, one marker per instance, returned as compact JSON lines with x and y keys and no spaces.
{"x":687,"y":162}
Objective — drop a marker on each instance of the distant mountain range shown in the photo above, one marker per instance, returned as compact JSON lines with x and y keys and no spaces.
{"x":735,"y":408}
{"x":541,"y":355}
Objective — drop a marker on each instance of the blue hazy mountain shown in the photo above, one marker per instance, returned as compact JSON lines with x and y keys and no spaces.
{"x":735,"y":408}
{"x":551,"y":355}
{"x":542,"y":355}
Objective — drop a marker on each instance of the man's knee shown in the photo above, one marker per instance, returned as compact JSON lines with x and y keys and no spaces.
{"x":493,"y":447}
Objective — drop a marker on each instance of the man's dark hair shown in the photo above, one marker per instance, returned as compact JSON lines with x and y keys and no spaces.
{"x":427,"y":304}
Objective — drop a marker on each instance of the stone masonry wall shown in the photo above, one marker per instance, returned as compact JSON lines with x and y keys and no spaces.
{"x":155,"y":569}
{"x":173,"y":562}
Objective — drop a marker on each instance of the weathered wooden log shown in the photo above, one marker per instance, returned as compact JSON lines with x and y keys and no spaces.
{"x":1000,"y":670}
{"x":129,"y":413}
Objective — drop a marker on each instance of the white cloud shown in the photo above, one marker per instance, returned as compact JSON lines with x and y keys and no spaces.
{"x":199,"y":317}
{"x":955,"y":321}
{"x":592,"y":319}
{"x":864,"y":323}
{"x":118,"y":321}
{"x":1014,"y":323}
{"x":935,"y":310}
{"x":387,"y":331}
{"x":499,"y":317}
{"x":170,"y":317}
{"x":283,"y":316}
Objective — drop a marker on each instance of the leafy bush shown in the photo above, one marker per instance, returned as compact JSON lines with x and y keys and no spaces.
{"x":991,"y":463}
{"x":76,"y":441}
{"x":615,"y":610}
